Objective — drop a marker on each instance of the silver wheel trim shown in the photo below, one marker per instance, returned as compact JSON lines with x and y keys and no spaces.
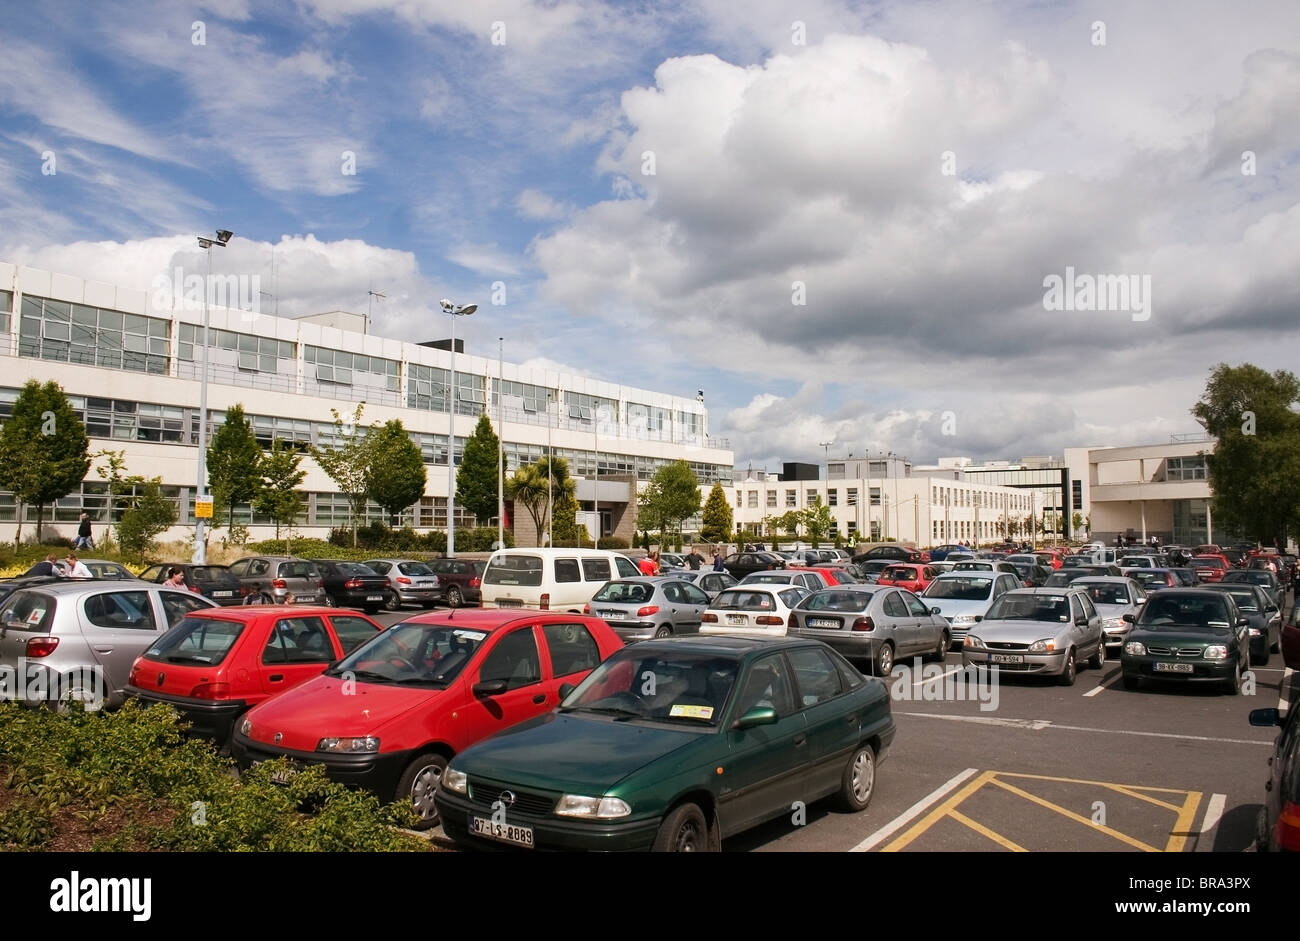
{"x":422,"y":789}
{"x":864,"y":775}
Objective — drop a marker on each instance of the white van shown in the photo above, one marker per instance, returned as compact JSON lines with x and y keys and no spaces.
{"x":550,"y":579}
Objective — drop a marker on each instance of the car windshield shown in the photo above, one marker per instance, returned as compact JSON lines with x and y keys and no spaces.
{"x":960,"y":589}
{"x":625,"y":593}
{"x":846,"y":601}
{"x":1245,"y":600}
{"x":679,"y":687}
{"x":522,"y":570}
{"x":1148,"y":577}
{"x":354,"y":568}
{"x":1014,"y":607}
{"x":1165,"y":613}
{"x":738,"y":599}
{"x":199,"y":641}
{"x":1104,"y":592}
{"x":432,"y":654}
{"x":899,"y":573}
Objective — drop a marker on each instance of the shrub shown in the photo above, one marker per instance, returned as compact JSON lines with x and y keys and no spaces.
{"x":612,"y":542}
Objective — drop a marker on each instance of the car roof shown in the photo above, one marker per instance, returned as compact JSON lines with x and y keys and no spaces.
{"x":1106,"y":579}
{"x":73,"y":586}
{"x":254,"y":611}
{"x":734,"y":644}
{"x":1059,"y":590}
{"x":488,"y":619}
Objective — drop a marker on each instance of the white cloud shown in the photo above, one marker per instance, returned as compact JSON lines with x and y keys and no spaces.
{"x":534,"y":204}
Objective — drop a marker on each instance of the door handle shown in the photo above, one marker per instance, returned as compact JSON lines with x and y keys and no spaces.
{"x":276,"y":677}
{"x":540,"y":699}
{"x":852,"y":720}
{"x":99,"y":649}
{"x":800,"y":740}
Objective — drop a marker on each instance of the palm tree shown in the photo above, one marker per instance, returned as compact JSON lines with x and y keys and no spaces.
{"x":529,"y":487}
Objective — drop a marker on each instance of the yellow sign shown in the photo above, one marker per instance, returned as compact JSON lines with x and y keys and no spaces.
{"x":202,"y":509}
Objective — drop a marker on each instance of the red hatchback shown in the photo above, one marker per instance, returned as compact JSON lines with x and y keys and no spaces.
{"x":1210,"y":568}
{"x":914,"y":578}
{"x":216,"y":664}
{"x":390,"y":715}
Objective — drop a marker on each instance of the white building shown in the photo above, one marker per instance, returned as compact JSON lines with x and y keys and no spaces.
{"x":130,"y":363}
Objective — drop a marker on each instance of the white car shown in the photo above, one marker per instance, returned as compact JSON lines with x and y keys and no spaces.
{"x":753,"y":609}
{"x":963,"y":598}
{"x":1114,"y":596}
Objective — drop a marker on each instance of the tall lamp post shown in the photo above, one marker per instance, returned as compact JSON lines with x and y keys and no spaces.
{"x":200,"y":527}
{"x":501,"y":444}
{"x":456,"y":311}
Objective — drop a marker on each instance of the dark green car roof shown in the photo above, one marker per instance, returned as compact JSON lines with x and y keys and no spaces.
{"x":722,"y":644}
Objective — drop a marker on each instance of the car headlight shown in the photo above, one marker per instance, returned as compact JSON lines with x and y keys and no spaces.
{"x":457,"y":781}
{"x":1113,"y":623}
{"x":964,"y":619}
{"x":972,"y":641}
{"x":359,"y":745}
{"x":246,"y":727}
{"x":595,"y":808}
{"x":1216,"y":652}
{"x":1046,"y":645}
{"x":1135,"y":649}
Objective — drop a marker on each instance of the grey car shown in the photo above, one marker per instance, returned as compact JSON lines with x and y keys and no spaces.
{"x":710,"y":582}
{"x":270,"y":578}
{"x":810,"y":580}
{"x":873,"y":623}
{"x":413,"y":582}
{"x":1114,"y":596}
{"x":1263,"y":618}
{"x":984,"y":565}
{"x":1038,"y":631}
{"x":642,"y":608}
{"x":76,"y":641}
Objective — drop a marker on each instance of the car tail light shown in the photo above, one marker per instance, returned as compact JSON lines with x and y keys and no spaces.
{"x":546,"y":601}
{"x":586,"y":609}
{"x":864,"y":624}
{"x":403,"y":580}
{"x":1288,"y":827}
{"x":210,"y":691}
{"x":647,"y":611}
{"x":352,"y":584}
{"x":41,"y":646}
{"x":792,"y":623}
{"x":279,"y":583}
{"x":388,"y":583}
{"x":767,"y":619}
{"x":475,"y":582}
{"x":709,"y":618}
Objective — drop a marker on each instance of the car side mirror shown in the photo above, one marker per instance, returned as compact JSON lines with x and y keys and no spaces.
{"x":1265,"y":718}
{"x":1130,"y":618}
{"x":934,"y":610}
{"x":978,"y":618}
{"x":565,"y":690}
{"x":489,"y":688}
{"x":1270,"y":607}
{"x":1081,"y":622}
{"x":1243,"y":622}
{"x":759,"y":715}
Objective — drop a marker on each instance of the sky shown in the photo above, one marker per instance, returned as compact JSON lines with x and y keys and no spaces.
{"x":845,"y":222}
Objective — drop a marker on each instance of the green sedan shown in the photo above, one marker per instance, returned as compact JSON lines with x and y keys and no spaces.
{"x":675,"y":745}
{"x":1189,"y":634}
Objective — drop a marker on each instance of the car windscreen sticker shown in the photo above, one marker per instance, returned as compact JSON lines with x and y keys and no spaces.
{"x":469,"y":635}
{"x":35,"y":616}
{"x":691,"y":712}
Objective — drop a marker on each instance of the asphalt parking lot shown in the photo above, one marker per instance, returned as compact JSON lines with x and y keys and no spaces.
{"x":1040,"y":767}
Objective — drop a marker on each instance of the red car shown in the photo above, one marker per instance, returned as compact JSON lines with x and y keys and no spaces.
{"x":1050,"y":558}
{"x":913,"y":577}
{"x":390,"y":715}
{"x":1210,"y":568}
{"x":216,"y":664}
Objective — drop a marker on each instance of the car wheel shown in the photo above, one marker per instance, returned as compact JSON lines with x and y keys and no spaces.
{"x":1233,"y":683}
{"x":418,"y":783}
{"x":684,"y":830}
{"x":1098,"y":660}
{"x":664,"y":631}
{"x":454,"y":599}
{"x":1132,"y":682}
{"x":884,"y":661}
{"x":1069,"y":670}
{"x":80,"y":696}
{"x":858,"y":783}
{"x":941,"y":653}
{"x":394,"y":602}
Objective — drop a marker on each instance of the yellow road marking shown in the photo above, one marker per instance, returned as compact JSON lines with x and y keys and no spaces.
{"x":934,"y":816}
{"x":1183,"y":826}
{"x":985,"y":831}
{"x":1034,"y":798}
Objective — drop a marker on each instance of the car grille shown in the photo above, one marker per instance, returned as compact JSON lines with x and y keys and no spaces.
{"x":1174,"y":651}
{"x":1004,"y":646}
{"x":528,"y":803}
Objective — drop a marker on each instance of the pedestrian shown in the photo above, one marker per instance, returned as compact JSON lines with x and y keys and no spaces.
{"x":175,"y":577}
{"x":84,"y":540}
{"x":694,"y":560}
{"x":290,"y":598}
{"x":76,"y":568}
{"x":647,"y":565}
{"x":717,"y":559}
{"x":50,"y":566}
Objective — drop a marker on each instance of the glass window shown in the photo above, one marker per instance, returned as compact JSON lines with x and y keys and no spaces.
{"x":573,"y":649}
{"x":595,"y":570}
{"x":625,"y":567}
{"x":514,"y":659}
{"x":352,"y":631}
{"x":815,"y":675}
{"x":566,"y":570}
{"x":121,"y":610}
{"x":298,"y":640}
{"x":894,"y":606}
{"x":178,"y":605}
{"x":202,"y":641}
{"x":766,"y":686}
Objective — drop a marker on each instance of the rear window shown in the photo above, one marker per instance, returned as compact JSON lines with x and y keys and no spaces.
{"x":199,"y":641}
{"x":414,"y":568}
{"x":210,"y":573}
{"x":522,"y":570}
{"x":845,"y":601}
{"x":625,"y":593}
{"x":736,"y":599}
{"x":28,"y":611}
{"x":298,"y":570}
{"x":354,"y":568}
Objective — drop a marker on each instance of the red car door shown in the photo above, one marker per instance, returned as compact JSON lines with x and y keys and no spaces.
{"x":296,"y":649}
{"x":508,"y":686}
{"x":573,"y":653}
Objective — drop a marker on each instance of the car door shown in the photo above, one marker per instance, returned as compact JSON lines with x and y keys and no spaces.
{"x":257,"y":577}
{"x":899,"y":627}
{"x":765,"y":773}
{"x":572,"y":652}
{"x":177,"y":604}
{"x":691,"y":607}
{"x":296,"y":649}
{"x":832,"y":722}
{"x":1081,"y":634}
{"x":929,"y":627}
{"x":513,"y":658}
{"x":119,"y":626}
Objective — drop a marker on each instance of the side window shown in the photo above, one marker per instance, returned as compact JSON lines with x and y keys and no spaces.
{"x":850,"y":678}
{"x":176,"y":605}
{"x":130,"y":610}
{"x":566,"y":570}
{"x":440,"y":566}
{"x":152,"y":574}
{"x":692,"y":595}
{"x":573,"y":649}
{"x":240,"y":568}
{"x":711,"y":583}
{"x":595,"y":570}
{"x":894,"y":606}
{"x":815,"y":675}
{"x":258,"y":567}
{"x":792,"y":596}
{"x":766,"y":687}
{"x":1076,"y":609}
{"x":1088,"y":608}
{"x":916,"y":606}
{"x":514,"y":659}
{"x":298,"y":640}
{"x":672,"y":593}
{"x":625,"y":568}
{"x":352,"y":631}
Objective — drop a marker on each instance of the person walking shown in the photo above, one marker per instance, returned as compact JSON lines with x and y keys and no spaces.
{"x":84,"y":539}
{"x":694,"y":560}
{"x":717,"y":559}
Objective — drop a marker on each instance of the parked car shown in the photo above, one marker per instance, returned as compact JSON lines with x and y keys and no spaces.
{"x":940,"y":553}
{"x":215,"y":582}
{"x":1049,"y":558}
{"x":1188,"y":634}
{"x":963,"y":598}
{"x":752,"y":610}
{"x":740,"y":564}
{"x":870,"y":570}
{"x":1038,"y":631}
{"x":215,"y":665}
{"x":913,"y":577}
{"x":1153,"y":579}
{"x":1187,"y":577}
{"x":354,"y":585}
{"x":432,"y":686}
{"x":1139,"y":562}
{"x":1210,"y":568}
{"x":710,"y":582}
{"x":1265,"y":580}
{"x":460,"y":581}
{"x":872,"y":624}
{"x":102,"y":568}
{"x":889,"y":553}
{"x":78,"y":639}
{"x":1263,"y":618}
{"x":1032,"y":575}
{"x":685,"y":763}
{"x":1277,"y":827}
{"x":642,"y":608}
{"x":10,"y":585}
{"x":985,"y":565}
{"x":550,"y":579}
{"x":1065,"y":577}
{"x":411,"y":581}
{"x":1114,"y":597}
{"x":672,"y":560}
{"x":804,"y":578}
{"x":269,"y":578}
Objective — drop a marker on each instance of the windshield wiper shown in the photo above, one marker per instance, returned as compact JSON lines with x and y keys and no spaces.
{"x":369,"y":675}
{"x":609,"y":710}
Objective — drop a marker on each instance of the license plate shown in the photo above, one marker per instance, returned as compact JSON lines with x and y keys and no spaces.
{"x":823,"y":622}
{"x":614,"y":615}
{"x":504,"y":832}
{"x":374,"y":597}
{"x":1006,"y":658}
{"x":282,"y":777}
{"x":223,"y":594}
{"x":509,"y":603}
{"x":739,"y":619}
{"x":1161,"y":667}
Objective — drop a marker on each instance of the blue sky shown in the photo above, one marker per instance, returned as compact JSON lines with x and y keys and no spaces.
{"x":793,"y":144}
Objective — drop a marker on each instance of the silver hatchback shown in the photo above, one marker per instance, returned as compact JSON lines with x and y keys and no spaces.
{"x":77,"y":640}
{"x":642,"y":608}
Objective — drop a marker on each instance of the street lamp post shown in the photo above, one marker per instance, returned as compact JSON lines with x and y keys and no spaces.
{"x":501,"y":445}
{"x":200,"y":528}
{"x":456,"y":311}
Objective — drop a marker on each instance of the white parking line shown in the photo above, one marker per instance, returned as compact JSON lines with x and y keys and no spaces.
{"x":1283,"y":704}
{"x":915,"y":810}
{"x":939,"y":677}
{"x":1213,"y":811}
{"x":1093,"y":692}
{"x":1037,"y":725}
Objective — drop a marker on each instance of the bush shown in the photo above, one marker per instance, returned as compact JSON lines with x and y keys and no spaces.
{"x":612,"y":542}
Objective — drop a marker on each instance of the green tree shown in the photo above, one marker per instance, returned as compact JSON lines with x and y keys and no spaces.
{"x":817,"y":521}
{"x":395,"y":476}
{"x":120,"y":486}
{"x":347,"y":463}
{"x":717,"y":516}
{"x":234,"y":473}
{"x":278,"y":495}
{"x":1254,"y":469}
{"x":150,"y":514}
{"x":476,"y":477}
{"x":44,"y":451}
{"x":789,"y":522}
{"x":568,"y":531}
{"x":1076,"y":523}
{"x":671,"y":498}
